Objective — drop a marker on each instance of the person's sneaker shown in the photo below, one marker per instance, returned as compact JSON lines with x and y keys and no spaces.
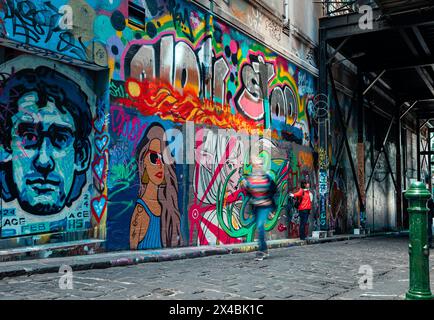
{"x":260,"y":256}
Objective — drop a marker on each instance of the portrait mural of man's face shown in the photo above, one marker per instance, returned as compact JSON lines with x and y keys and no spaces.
{"x":45,"y":149}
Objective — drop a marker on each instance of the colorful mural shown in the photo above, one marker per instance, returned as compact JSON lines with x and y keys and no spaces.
{"x":58,"y":29}
{"x":46,"y":148}
{"x":156,"y":219}
{"x":188,"y":100}
{"x":213,"y":92}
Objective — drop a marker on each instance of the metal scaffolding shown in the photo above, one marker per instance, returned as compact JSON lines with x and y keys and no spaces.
{"x":395,"y":66}
{"x":342,"y":7}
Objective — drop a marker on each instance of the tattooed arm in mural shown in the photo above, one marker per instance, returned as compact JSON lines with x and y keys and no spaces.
{"x":139,"y":226}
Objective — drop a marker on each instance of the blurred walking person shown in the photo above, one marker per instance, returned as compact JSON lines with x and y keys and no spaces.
{"x":261,"y":188}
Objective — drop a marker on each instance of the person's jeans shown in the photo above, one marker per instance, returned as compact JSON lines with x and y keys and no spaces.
{"x":304,"y":217}
{"x":261,"y":214}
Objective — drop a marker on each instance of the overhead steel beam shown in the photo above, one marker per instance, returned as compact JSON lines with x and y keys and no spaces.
{"x":393,"y":64}
{"x":333,"y":54}
{"x":426,"y":100}
{"x":422,"y":42}
{"x":395,"y":7}
{"x":408,"y":41}
{"x":348,"y":24}
{"x":424,"y":123}
{"x":422,"y":72}
{"x":425,"y":115}
{"x":426,"y":78}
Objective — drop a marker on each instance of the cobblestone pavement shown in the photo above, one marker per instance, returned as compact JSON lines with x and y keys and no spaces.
{"x":324,"y":271}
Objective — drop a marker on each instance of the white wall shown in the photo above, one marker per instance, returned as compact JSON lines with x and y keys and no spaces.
{"x":304,"y":15}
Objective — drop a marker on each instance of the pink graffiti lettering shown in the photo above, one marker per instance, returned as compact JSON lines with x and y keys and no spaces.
{"x":125,"y":125}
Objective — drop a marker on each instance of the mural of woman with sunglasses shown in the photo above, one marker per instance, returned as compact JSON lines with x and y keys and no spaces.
{"x":155,"y":222}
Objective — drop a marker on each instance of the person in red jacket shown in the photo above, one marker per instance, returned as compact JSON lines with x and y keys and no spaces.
{"x":305,"y":197}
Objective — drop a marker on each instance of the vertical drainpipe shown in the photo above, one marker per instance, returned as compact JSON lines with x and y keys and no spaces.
{"x":361,"y":149}
{"x":208,"y":51}
{"x":286,"y":10}
{"x":323,"y":165}
{"x":372,"y":148}
{"x":398,"y":162}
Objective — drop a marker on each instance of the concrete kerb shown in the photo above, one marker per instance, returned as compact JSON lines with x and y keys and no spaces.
{"x":108,"y":260}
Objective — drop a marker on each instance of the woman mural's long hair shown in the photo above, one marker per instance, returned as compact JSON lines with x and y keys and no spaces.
{"x":167,"y":192}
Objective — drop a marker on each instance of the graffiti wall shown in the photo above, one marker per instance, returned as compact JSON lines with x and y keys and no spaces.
{"x":381,"y":195}
{"x":190,"y":99}
{"x":152,"y":158}
{"x":48,"y":164}
{"x":65,"y":30}
{"x":343,"y":198}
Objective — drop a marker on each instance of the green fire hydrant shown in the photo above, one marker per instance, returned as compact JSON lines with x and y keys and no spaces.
{"x":418,"y":250}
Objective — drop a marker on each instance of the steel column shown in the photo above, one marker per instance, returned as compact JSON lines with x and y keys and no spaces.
{"x":344,"y":129}
{"x":418,"y":148}
{"x":429,"y":161}
{"x":361,"y":146}
{"x":398,"y":168}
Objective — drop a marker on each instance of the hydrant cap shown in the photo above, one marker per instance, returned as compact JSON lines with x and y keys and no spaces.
{"x":417,"y":190}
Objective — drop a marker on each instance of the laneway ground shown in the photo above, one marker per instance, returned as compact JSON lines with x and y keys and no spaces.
{"x":323,"y":271}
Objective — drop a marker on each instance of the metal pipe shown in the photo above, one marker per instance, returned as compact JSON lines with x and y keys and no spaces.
{"x":423,"y":124}
{"x":286,"y":10}
{"x":332,"y":56}
{"x":379,"y":153}
{"x":386,"y":157}
{"x":374,"y":82}
{"x":408,"y":110}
